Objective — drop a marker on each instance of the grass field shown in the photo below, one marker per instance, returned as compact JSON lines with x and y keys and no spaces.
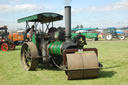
{"x":112,"y":54}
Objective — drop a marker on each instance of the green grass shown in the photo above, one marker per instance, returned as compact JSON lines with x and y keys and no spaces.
{"x":112,"y":54}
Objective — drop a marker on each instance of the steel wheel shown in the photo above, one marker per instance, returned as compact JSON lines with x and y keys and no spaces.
{"x":4,"y":47}
{"x":84,"y":65}
{"x":29,"y":55}
{"x":12,"y":46}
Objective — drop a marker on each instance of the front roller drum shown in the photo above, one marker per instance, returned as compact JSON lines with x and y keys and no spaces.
{"x":82,"y":65}
{"x":29,"y":56}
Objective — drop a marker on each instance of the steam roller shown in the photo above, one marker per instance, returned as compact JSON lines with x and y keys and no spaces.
{"x":55,"y":48}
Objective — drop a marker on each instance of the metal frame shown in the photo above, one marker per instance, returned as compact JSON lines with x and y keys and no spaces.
{"x":43,"y":18}
{"x":5,"y":33}
{"x":36,"y":24}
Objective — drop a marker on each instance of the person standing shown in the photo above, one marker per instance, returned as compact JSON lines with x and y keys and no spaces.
{"x":31,"y":32}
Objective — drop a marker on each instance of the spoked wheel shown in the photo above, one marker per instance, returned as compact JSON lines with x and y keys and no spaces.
{"x":29,"y":55}
{"x":12,"y":46}
{"x":4,"y":47}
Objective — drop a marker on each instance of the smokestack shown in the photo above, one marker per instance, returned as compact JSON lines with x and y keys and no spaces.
{"x":68,"y":22}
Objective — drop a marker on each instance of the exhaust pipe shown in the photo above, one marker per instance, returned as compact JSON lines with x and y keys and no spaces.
{"x":68,"y":22}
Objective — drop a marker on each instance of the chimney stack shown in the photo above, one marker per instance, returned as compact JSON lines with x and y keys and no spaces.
{"x":68,"y":22}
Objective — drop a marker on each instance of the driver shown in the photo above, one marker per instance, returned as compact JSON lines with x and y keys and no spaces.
{"x":30,"y":31}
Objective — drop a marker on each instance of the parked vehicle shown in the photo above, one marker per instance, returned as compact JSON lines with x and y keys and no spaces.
{"x":5,"y":43}
{"x":17,"y":37}
{"x":112,"y":32}
{"x":89,"y":33}
{"x":93,"y":36}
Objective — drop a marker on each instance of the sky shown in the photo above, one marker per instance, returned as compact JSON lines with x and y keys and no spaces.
{"x":89,"y":13}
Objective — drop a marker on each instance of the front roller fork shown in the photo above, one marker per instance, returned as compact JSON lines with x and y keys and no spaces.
{"x":81,"y":65}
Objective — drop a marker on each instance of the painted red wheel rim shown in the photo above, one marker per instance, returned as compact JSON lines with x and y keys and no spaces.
{"x":4,"y":47}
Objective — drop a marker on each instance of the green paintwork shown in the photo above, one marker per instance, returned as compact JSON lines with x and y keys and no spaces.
{"x":42,"y":17}
{"x":55,"y":48}
{"x":34,"y":38}
{"x":87,"y":35}
{"x":35,"y":42}
{"x":29,"y":18}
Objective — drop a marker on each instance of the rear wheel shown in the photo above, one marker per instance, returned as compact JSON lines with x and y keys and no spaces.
{"x":4,"y":47}
{"x":121,"y":37}
{"x":108,"y":36}
{"x":29,"y":55}
{"x":12,"y":46}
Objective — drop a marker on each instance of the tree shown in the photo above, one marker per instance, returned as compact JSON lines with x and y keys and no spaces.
{"x":77,"y":26}
{"x":81,"y":26}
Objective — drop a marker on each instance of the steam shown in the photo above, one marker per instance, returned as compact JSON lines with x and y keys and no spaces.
{"x":67,"y":2}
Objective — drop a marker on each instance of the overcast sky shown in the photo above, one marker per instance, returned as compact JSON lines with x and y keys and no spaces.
{"x":90,"y":13}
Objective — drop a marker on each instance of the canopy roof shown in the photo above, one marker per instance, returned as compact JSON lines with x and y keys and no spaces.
{"x":3,"y":28}
{"x":42,"y":17}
